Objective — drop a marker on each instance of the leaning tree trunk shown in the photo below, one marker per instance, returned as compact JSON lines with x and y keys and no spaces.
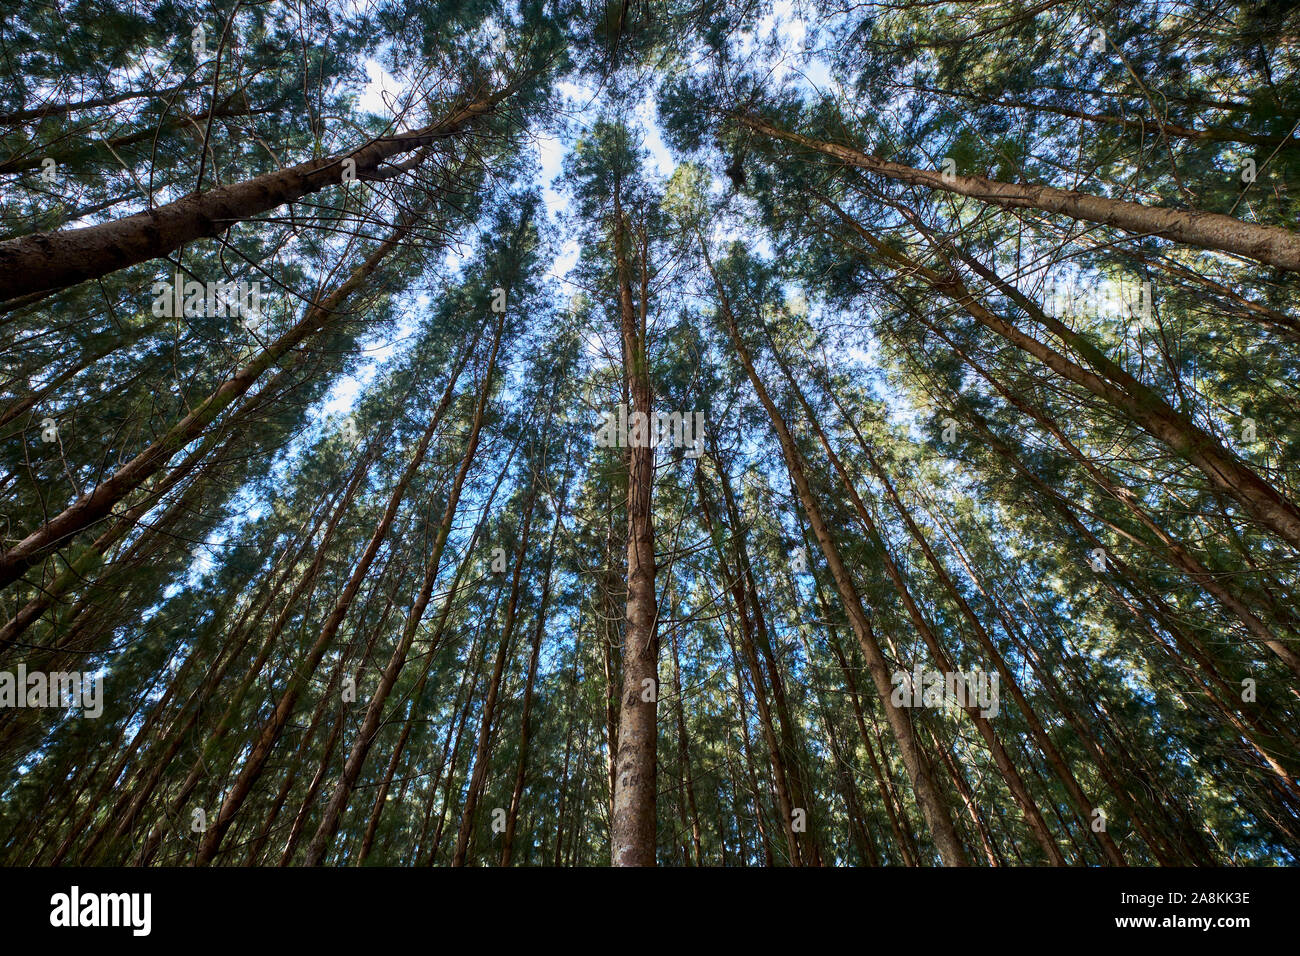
{"x":1271,"y":245}
{"x":1142,"y":405}
{"x":98,"y":503}
{"x":274,"y":727}
{"x":388,"y":678}
{"x":48,"y":261}
{"x":735,"y":583}
{"x":1019,"y":790}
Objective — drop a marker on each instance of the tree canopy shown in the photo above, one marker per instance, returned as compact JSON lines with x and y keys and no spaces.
{"x":680,"y":432}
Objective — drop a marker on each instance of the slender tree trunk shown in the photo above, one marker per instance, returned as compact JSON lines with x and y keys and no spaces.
{"x":449,"y":600}
{"x":1140,"y":404}
{"x":736,"y":583}
{"x":525,"y":727}
{"x":684,"y":756}
{"x":482,"y":754}
{"x":1015,"y":783}
{"x":632,"y":831}
{"x":927,"y":793}
{"x":374,"y":711}
{"x":1271,"y":245}
{"x":44,"y":261}
{"x":270,"y":732}
{"x":98,"y":503}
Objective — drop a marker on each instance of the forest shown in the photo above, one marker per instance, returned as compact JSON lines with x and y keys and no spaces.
{"x":693,"y":433}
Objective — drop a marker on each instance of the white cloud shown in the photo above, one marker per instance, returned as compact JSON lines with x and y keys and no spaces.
{"x":566,"y":260}
{"x":654,"y":141}
{"x":382,"y":91}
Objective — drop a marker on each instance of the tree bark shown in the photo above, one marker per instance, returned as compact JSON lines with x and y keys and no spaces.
{"x":1271,"y":245}
{"x":45,"y":261}
{"x":927,"y":793}
{"x":632,"y":830}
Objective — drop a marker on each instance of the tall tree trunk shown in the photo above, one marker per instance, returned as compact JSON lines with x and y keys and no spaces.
{"x":927,"y":793}
{"x":1271,"y":245}
{"x":270,"y":732}
{"x":98,"y":503}
{"x":374,"y":710}
{"x":632,"y":830}
{"x":684,"y":756}
{"x":525,"y":727}
{"x":1080,"y":799}
{"x":942,"y":657}
{"x":44,"y":261}
{"x":736,"y":584}
{"x":482,"y":754}
{"x":1140,"y":404}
